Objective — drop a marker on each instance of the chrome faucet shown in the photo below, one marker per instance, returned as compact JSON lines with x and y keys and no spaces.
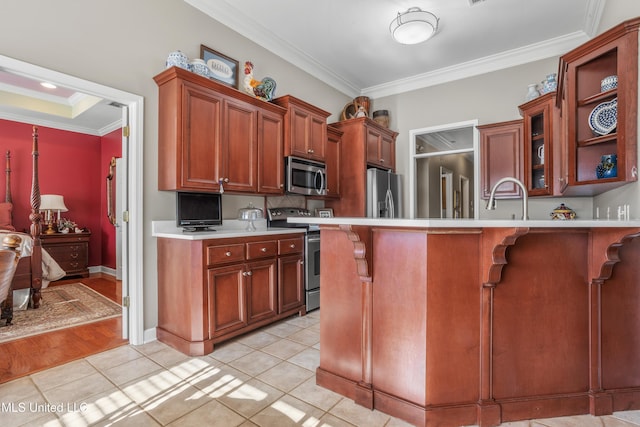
{"x":525,"y":200}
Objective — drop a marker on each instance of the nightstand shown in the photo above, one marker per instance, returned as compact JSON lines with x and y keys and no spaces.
{"x":70,"y":251}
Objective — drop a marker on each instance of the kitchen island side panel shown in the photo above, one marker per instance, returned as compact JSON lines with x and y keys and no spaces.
{"x":541,"y":329}
{"x":620,"y":325}
{"x":426,"y":316}
{"x":340,"y":300}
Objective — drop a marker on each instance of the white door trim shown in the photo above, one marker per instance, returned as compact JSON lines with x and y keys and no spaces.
{"x":135,"y":165}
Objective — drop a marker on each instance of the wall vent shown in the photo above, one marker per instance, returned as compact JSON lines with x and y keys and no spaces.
{"x":474,"y":2}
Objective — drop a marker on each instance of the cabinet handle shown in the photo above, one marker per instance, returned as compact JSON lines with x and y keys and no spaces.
{"x":223,"y":180}
{"x":227,"y":253}
{"x":292,"y":246}
{"x":310,"y":151}
{"x":381,"y":160}
{"x":246,"y":273}
{"x":74,"y":256}
{"x":263,"y":250}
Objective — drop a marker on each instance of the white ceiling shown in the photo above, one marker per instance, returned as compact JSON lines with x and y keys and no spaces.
{"x":347,"y":45}
{"x":23,"y":99}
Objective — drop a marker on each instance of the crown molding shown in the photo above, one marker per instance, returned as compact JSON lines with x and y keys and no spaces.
{"x":508,"y":59}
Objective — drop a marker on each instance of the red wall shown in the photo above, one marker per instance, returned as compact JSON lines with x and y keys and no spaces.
{"x":70,"y":164}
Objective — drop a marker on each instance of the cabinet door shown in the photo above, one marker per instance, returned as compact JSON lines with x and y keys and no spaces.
{"x":317,"y":137}
{"x":226,"y":300}
{"x":388,"y":152}
{"x":501,"y":156}
{"x":373,"y":140}
{"x":201,"y":138}
{"x":291,"y":286}
{"x":308,"y":133}
{"x":332,"y":163}
{"x":238,"y":153}
{"x":299,"y":131}
{"x":262,"y":288}
{"x":538,"y":118}
{"x":380,"y":149}
{"x":270,"y":153}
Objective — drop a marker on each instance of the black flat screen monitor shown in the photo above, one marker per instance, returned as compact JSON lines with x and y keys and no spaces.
{"x":198,"y":211}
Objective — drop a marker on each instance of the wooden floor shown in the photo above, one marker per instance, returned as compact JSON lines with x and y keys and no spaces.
{"x":28,"y":355}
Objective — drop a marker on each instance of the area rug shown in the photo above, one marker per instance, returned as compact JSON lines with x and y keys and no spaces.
{"x":62,"y":306}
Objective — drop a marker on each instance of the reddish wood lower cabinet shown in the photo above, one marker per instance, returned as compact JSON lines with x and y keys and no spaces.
{"x":481,"y":326}
{"x":212,"y":290}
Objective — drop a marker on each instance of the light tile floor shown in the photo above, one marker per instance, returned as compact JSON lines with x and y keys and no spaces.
{"x":265,"y":378}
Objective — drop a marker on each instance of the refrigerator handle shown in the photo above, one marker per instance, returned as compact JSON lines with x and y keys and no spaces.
{"x":389,"y":203}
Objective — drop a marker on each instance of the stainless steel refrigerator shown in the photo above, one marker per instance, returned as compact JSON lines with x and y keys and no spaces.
{"x":384,"y":194}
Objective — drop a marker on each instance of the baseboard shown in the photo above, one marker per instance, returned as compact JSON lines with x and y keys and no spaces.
{"x":102,"y":269}
{"x":149,"y":335}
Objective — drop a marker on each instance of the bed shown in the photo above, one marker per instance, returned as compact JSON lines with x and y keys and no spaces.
{"x":35,"y":268}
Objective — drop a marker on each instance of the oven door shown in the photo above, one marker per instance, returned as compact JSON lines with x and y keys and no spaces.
{"x":305,"y":177}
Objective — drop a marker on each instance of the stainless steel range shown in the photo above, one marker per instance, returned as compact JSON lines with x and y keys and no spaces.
{"x":277,"y":217}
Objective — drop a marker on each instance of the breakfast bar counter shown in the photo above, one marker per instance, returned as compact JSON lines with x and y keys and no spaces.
{"x":462,"y":322}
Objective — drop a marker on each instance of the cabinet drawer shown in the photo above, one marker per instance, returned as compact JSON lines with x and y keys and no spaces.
{"x":63,"y":253}
{"x":256,"y":250}
{"x":290,"y":246}
{"x":225,"y":253}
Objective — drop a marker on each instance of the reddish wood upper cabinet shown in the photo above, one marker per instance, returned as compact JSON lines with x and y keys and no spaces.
{"x":305,"y":132}
{"x":381,"y":148}
{"x":614,"y":52}
{"x":333,"y":161}
{"x":501,"y":156}
{"x":210,"y":133}
{"x":543,"y":147}
{"x":270,"y":153}
{"x":365,"y":144}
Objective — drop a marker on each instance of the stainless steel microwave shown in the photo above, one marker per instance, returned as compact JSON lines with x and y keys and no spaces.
{"x":305,"y":177}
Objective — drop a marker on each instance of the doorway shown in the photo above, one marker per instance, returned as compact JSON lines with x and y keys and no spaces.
{"x":442,"y":171}
{"x":132,"y":153}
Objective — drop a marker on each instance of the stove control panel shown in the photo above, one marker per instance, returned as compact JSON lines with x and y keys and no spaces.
{"x":284,"y":213}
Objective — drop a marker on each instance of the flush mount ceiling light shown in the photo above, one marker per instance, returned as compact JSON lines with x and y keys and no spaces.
{"x":413,"y":26}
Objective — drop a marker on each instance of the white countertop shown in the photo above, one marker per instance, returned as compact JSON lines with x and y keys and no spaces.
{"x":229,"y":228}
{"x":467,"y":223}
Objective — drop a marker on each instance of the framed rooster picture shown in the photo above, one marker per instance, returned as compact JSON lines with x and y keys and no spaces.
{"x":222,"y":68}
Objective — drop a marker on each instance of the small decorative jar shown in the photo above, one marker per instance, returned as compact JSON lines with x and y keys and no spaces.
{"x":563,"y":212}
{"x":608,"y":166}
{"x":381,"y":117}
{"x":532,"y":93}
{"x":200,"y":67}
{"x":549,"y":84}
{"x":178,"y":59}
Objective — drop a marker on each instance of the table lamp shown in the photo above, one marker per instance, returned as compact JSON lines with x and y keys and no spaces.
{"x":50,"y":203}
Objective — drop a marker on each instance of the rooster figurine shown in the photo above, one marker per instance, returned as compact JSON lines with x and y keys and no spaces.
{"x":263,"y":89}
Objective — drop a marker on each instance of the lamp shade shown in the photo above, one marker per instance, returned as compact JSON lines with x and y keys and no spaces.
{"x":52,"y":202}
{"x":413,"y":26}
